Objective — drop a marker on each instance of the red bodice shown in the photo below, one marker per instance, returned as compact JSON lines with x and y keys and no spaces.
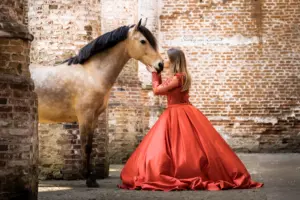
{"x":171,"y":88}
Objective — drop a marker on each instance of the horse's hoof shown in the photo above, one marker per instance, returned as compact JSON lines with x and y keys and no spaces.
{"x":92,"y":183}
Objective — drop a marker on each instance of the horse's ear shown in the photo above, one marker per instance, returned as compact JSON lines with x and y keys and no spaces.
{"x":144,"y":22}
{"x":137,"y":25}
{"x":140,"y":22}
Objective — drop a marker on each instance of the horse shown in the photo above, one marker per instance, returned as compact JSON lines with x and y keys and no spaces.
{"x":78,"y":89}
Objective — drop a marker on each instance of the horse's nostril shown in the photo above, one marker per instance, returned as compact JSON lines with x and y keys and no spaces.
{"x":161,"y":65}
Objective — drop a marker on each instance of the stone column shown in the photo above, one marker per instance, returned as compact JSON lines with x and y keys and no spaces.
{"x":60,"y":29}
{"x":18,"y":107}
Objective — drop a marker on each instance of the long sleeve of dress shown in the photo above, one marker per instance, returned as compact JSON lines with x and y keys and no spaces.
{"x":160,"y":88}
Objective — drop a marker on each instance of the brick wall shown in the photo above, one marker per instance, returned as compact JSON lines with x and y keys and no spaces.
{"x":60,"y":150}
{"x":13,"y":11}
{"x":18,"y":107}
{"x":244,"y":57}
{"x":61,"y":28}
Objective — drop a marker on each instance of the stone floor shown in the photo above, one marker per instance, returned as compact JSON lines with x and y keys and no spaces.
{"x":279,"y":172}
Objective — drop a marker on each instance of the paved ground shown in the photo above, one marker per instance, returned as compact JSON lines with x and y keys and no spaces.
{"x":279,"y":172}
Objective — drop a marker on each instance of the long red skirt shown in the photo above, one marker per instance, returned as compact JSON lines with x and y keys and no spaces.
{"x":184,"y":151}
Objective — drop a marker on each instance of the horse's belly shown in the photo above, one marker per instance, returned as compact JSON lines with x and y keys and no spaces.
{"x":56,"y":112}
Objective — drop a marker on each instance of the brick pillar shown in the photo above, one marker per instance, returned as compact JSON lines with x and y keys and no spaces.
{"x":18,"y":107}
{"x":61,"y":28}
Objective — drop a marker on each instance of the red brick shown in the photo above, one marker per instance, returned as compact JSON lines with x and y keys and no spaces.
{"x":5,"y":108}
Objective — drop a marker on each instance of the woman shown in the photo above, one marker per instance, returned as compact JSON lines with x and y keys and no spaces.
{"x":183,"y":150}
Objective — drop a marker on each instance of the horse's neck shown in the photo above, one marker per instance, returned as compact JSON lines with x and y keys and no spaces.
{"x":106,"y":66}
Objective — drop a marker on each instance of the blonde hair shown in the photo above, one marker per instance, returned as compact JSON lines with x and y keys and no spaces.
{"x":178,"y":65}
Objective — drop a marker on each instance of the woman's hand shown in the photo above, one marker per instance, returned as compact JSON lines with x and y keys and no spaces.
{"x":150,"y":68}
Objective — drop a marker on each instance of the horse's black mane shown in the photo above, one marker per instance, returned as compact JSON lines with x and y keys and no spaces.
{"x":108,"y":40}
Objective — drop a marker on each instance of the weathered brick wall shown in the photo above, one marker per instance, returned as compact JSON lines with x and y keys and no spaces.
{"x":13,"y":11}
{"x":244,"y":57}
{"x":61,"y":28}
{"x":60,"y":150}
{"x":18,"y":107}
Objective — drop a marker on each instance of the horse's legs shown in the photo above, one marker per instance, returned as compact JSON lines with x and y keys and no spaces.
{"x":86,"y":136}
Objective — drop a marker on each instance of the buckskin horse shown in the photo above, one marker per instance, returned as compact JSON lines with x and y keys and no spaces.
{"x":78,"y":89}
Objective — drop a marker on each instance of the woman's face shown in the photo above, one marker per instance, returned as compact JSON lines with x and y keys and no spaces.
{"x":167,"y":63}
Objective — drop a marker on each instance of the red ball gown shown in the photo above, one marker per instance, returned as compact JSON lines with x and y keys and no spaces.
{"x":183,"y":150}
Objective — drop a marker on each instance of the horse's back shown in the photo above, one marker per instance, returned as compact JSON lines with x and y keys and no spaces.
{"x":45,"y":76}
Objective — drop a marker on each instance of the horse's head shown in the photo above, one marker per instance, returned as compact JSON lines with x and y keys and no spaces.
{"x":142,"y":46}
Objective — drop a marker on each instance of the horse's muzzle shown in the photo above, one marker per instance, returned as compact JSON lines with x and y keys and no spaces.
{"x":160,"y":67}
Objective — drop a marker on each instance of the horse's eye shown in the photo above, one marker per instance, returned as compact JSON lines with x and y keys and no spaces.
{"x":143,"y":41}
